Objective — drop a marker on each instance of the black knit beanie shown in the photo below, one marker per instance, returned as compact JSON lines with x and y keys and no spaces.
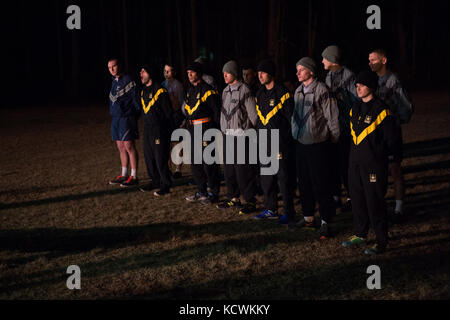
{"x":267,"y":66}
{"x":196,"y":67}
{"x":368,"y":78}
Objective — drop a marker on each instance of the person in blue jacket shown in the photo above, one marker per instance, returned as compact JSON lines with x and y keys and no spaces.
{"x":124,"y":110}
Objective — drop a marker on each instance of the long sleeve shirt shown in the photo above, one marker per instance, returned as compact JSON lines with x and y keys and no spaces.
{"x":342,"y":86}
{"x":390,"y":91}
{"x":156,"y":110}
{"x":238,"y":109}
{"x":375,"y":134}
{"x":315,"y":117}
{"x":176,"y":92}
{"x":274,"y":109}
{"x":202,"y":101}
{"x":123,"y":98}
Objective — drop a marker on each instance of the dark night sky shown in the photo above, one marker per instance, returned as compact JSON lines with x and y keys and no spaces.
{"x":47,"y":63}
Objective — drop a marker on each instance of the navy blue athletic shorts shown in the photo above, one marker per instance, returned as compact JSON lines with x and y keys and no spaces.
{"x":124,"y":129}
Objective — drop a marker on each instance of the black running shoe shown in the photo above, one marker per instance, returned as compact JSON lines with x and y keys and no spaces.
{"x":307,"y":225}
{"x":248,"y":208}
{"x":229,"y":204}
{"x":211,"y":199}
{"x":177,"y":175}
{"x":148,"y":187}
{"x":398,"y":217}
{"x":347,"y":206}
{"x":161,"y":192}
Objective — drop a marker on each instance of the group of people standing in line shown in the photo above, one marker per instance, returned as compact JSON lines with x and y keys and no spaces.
{"x":344,"y":132}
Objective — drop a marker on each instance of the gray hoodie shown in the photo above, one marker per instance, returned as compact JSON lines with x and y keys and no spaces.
{"x":390,"y":91}
{"x":315,"y":117}
{"x":238,"y":109}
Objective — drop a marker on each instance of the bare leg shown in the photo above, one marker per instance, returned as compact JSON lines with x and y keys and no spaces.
{"x":132,"y":153}
{"x":123,"y":153}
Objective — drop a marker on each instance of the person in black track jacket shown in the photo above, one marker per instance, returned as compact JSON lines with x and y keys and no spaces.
{"x":274,"y":107}
{"x":202,"y":110}
{"x":157,"y":114}
{"x":376,"y":139}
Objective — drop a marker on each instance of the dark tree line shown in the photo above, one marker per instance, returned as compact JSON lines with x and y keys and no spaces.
{"x":53,"y":63}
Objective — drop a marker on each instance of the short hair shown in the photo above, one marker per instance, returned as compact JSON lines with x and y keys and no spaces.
{"x":170,"y":65}
{"x":248,"y":66}
{"x":117,"y":60}
{"x":380,"y":52}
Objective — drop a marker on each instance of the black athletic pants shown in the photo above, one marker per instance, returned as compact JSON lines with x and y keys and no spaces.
{"x":240,"y":179}
{"x":340,"y":155}
{"x":315,"y":179}
{"x":368,"y":186}
{"x":283,"y":181}
{"x":205,"y":175}
{"x":156,"y":154}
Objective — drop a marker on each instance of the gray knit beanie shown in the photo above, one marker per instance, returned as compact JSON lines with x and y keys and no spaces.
{"x":332,"y":54}
{"x":232,"y":68}
{"x":308,"y":63}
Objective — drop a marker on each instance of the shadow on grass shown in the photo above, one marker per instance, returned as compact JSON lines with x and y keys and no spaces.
{"x":426,"y":148}
{"x":68,"y":241}
{"x":69,"y":197}
{"x":170,"y":257}
{"x":427,"y":180}
{"x":341,"y":280}
{"x":445,"y":164}
{"x":32,"y":190}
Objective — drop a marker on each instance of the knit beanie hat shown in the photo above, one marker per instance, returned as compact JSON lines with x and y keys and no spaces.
{"x":267,"y":66}
{"x":232,"y":68}
{"x":147,"y":69}
{"x":196,"y":67}
{"x":308,"y":63}
{"x":368,"y":78}
{"x":332,"y":54}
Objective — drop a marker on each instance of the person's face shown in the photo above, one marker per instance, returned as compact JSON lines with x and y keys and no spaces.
{"x":113,"y":68}
{"x":303,"y":74}
{"x":145,"y":77}
{"x":228,"y":77}
{"x":362,"y":90}
{"x":264,"y":77}
{"x":193,"y":76}
{"x":376,"y":62}
{"x":248,"y":76}
{"x":168,"y":72}
{"x":326,"y":64}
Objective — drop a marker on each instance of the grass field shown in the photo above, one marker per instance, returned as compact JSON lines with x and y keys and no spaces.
{"x":56,"y":210}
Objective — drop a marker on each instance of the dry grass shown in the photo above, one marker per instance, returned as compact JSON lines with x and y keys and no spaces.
{"x":56,"y":210}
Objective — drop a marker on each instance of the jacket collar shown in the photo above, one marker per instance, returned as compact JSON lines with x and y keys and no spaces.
{"x":235,"y":87}
{"x":311,"y":88}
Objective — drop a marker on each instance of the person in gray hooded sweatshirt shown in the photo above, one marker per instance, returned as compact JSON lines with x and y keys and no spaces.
{"x":238,"y":115}
{"x":315,"y":126}
{"x":391,"y":91}
{"x":341,"y":82}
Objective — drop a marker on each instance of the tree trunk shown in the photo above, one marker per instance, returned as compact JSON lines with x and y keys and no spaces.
{"x":168,"y":32}
{"x":273,"y":28}
{"x":125,"y":34}
{"x":194,"y":29}
{"x":180,"y":40}
{"x":143,"y":43}
{"x":59,"y":43}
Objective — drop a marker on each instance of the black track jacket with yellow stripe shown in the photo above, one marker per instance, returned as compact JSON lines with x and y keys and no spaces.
{"x":156,"y":110}
{"x":374,"y":133}
{"x":274,"y":108}
{"x":202,"y":101}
